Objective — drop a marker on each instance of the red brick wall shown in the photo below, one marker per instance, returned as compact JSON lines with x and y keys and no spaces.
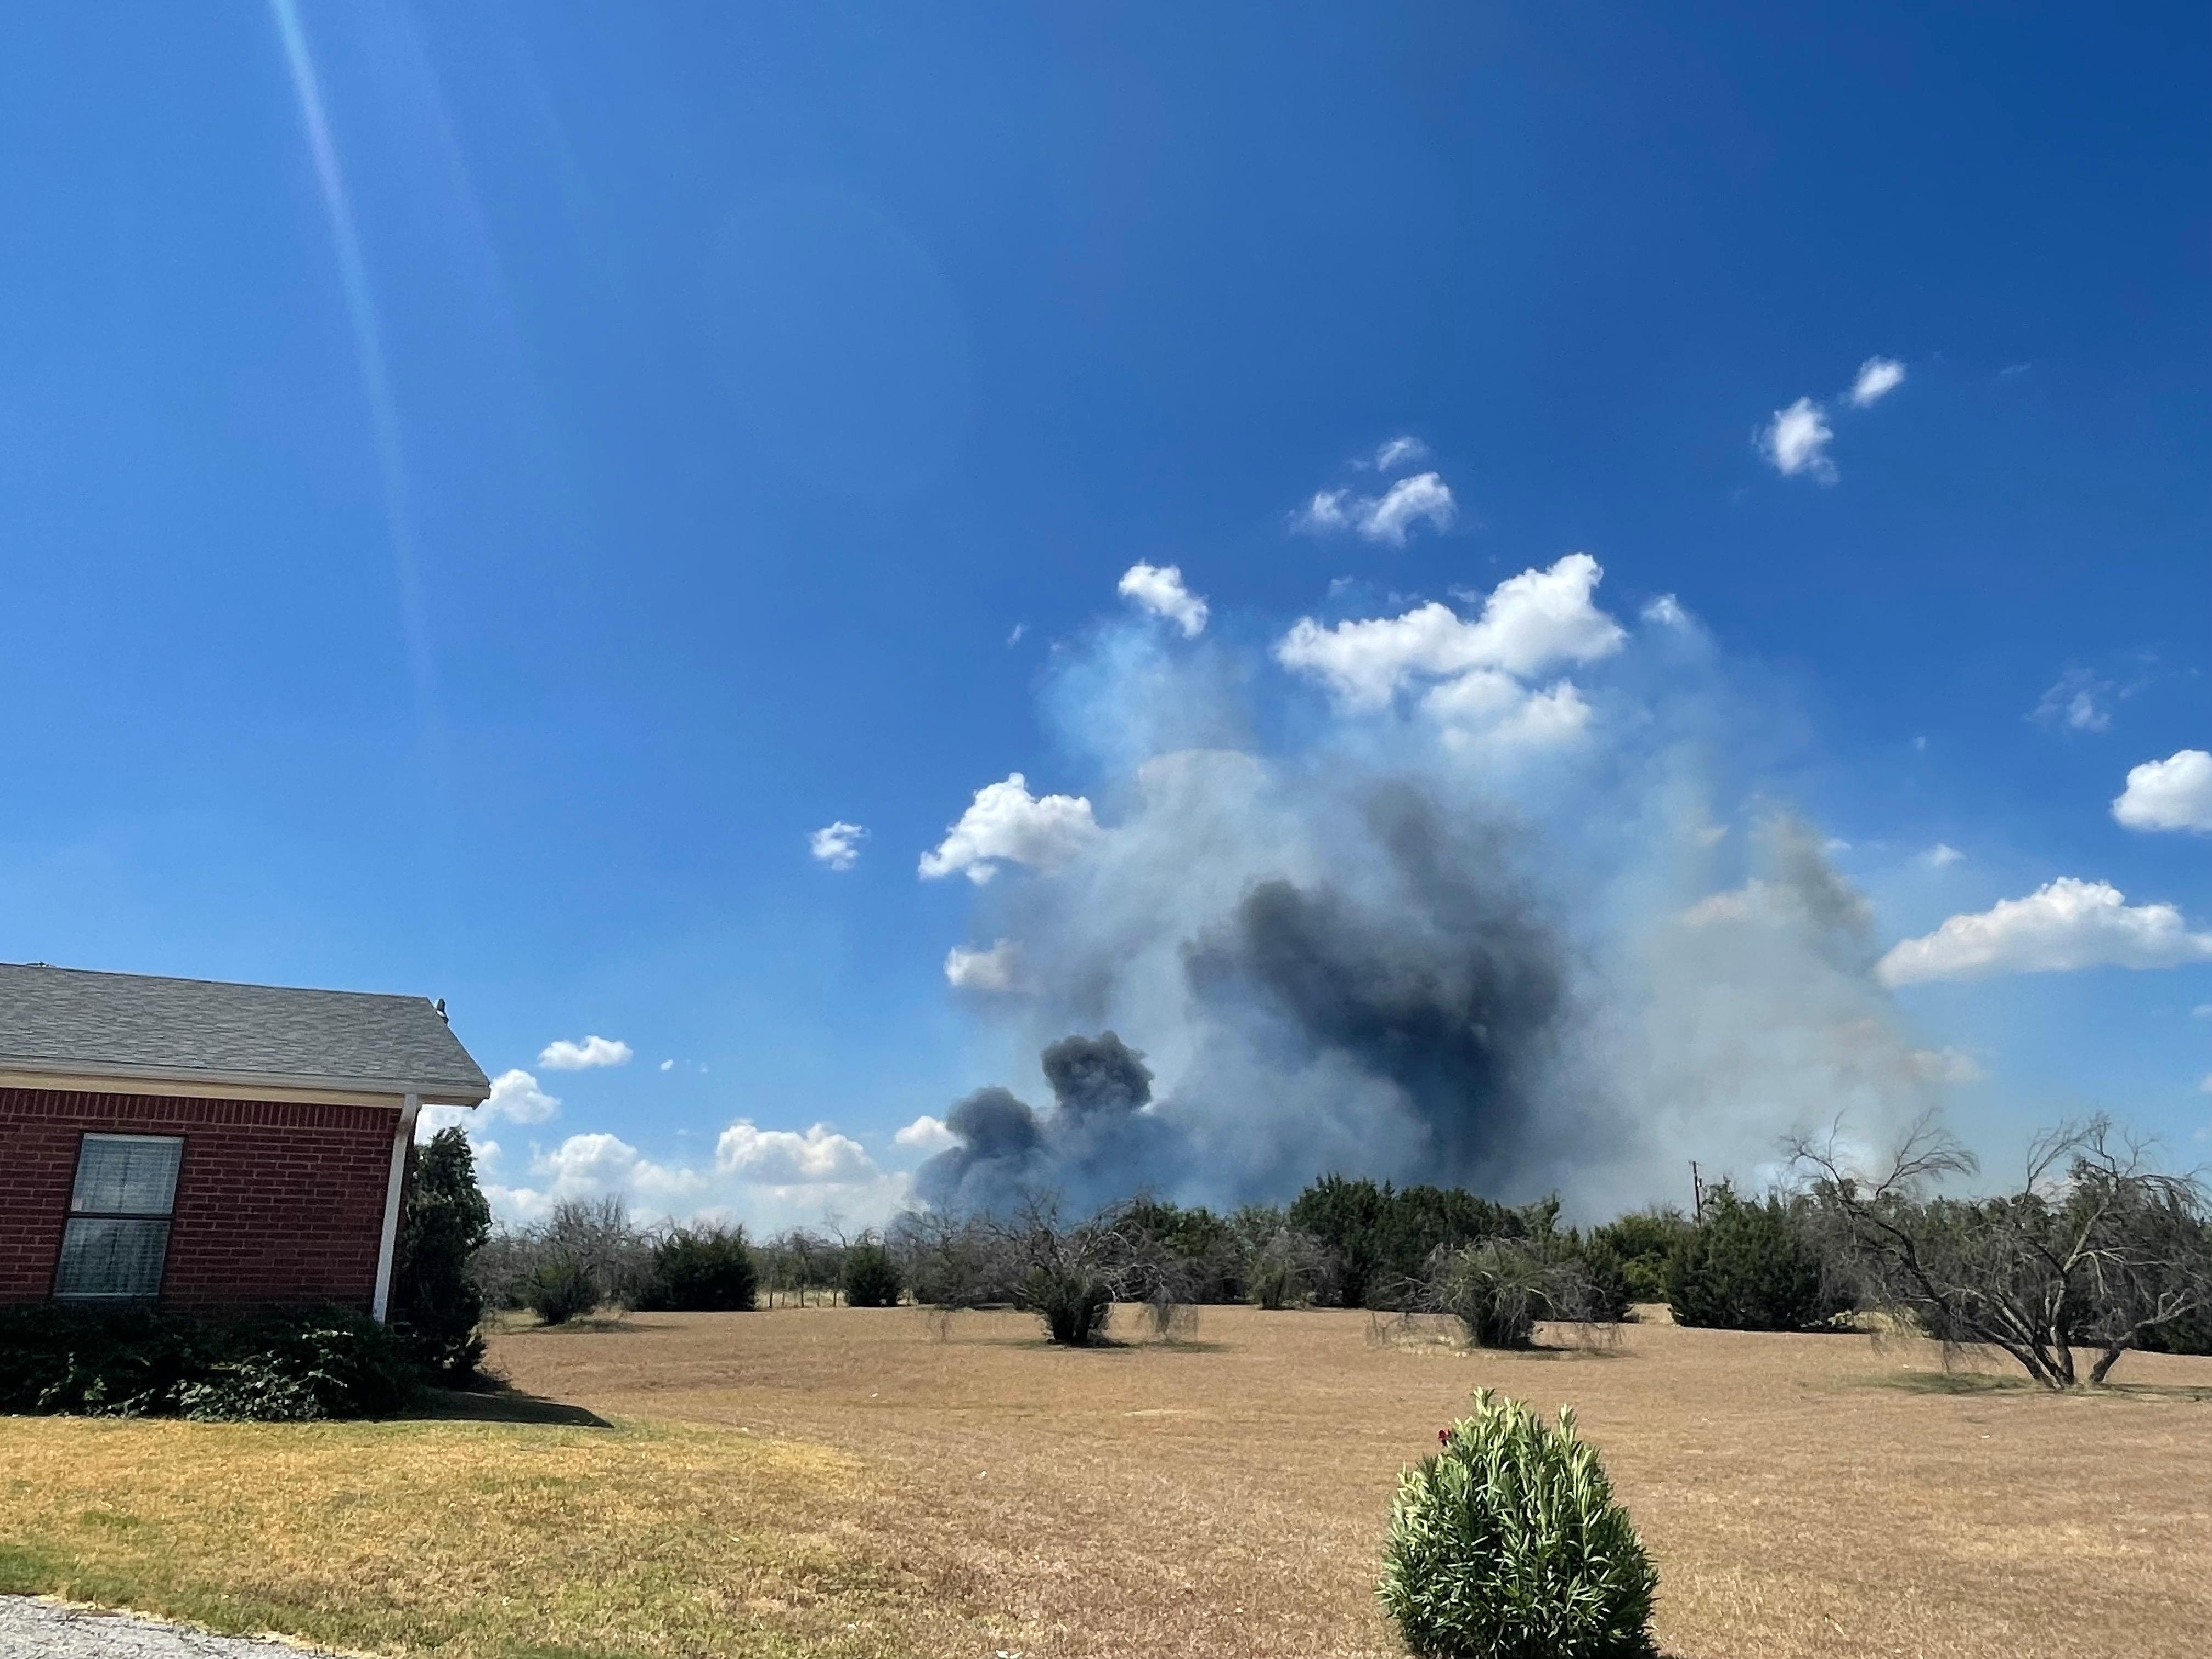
{"x":276,"y":1202}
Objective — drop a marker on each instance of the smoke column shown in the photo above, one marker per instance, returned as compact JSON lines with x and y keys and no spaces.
{"x":1492,"y":895}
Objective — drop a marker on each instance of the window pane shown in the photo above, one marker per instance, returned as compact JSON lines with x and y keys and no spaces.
{"x":104,"y":1257}
{"x":127,"y":1174}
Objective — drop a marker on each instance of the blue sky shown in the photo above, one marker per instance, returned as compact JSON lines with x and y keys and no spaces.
{"x":479,"y":489}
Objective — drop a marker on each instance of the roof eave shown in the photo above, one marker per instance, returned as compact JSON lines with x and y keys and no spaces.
{"x":445,"y":1091}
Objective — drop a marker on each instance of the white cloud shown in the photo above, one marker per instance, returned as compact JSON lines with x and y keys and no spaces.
{"x":1797,"y":440}
{"x":1400,"y":452}
{"x":765,"y":1177}
{"x":783,"y":1157}
{"x":2080,"y":702}
{"x":1877,"y":378}
{"x":1943,"y":853}
{"x":1530,"y":622}
{"x":1159,"y":589}
{"x":2174,"y":793}
{"x":1424,"y":498}
{"x":2064,"y":925}
{"x":1667,"y":611}
{"x":667,"y":1064}
{"x":1946,"y":1065}
{"x":1005,"y":824}
{"x":1325,"y":511}
{"x":1014,"y":637}
{"x":589,"y":1161}
{"x":2205,"y":1087}
{"x":593,"y":1051}
{"x":837,"y":845}
{"x":516,"y":1097}
{"x":1470,"y":708}
{"x":982,"y":971}
{"x":924,"y":1134}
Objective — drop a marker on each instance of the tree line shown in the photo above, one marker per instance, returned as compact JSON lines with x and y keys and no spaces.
{"x":2091,"y":1249}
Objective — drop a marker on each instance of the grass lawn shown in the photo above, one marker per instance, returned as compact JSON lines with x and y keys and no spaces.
{"x":835,"y":1482}
{"x":464,"y":1538}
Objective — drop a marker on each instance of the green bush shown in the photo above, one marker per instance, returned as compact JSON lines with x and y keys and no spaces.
{"x":1506,"y":1544}
{"x":435,"y":1305}
{"x":1379,"y":1240}
{"x":1749,"y":1266}
{"x":2191,"y":1334}
{"x":706,"y":1269}
{"x":560,"y":1288}
{"x":1074,"y":1304}
{"x":1602,"y":1291}
{"x":288,"y":1366}
{"x":872,"y":1277}
{"x":1642,"y":1243}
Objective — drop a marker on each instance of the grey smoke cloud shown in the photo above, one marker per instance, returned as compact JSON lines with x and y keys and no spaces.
{"x":1385,"y":942}
{"x":1092,"y":1139}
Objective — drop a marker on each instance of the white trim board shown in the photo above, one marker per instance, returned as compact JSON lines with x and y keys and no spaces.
{"x":210,"y":1086}
{"x":402,"y":1138}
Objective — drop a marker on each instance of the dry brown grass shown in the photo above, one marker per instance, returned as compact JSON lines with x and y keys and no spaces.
{"x":900,"y":1493}
{"x":1227,"y":1498}
{"x":466,"y":1539}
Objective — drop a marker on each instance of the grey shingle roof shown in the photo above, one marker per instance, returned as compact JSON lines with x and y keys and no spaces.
{"x":133,"y":1025}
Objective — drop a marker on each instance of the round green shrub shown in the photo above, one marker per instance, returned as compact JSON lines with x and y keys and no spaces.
{"x":561,"y":1288}
{"x":705,"y":1269}
{"x":872,"y":1277}
{"x":1750,"y":1266}
{"x":1506,"y":1544}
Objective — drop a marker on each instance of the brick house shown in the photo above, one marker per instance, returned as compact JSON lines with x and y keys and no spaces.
{"x":206,"y":1145}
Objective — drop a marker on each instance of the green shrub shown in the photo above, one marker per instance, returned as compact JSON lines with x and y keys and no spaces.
{"x":706,"y":1269}
{"x":2191,"y":1334}
{"x":872,"y":1277}
{"x":1074,"y":1304}
{"x":284,"y":1368}
{"x":1506,"y":1544}
{"x":135,"y":1362}
{"x":435,"y":1305}
{"x":1604,"y":1291}
{"x":1642,"y":1243}
{"x":560,"y":1288}
{"x":1749,"y":1266}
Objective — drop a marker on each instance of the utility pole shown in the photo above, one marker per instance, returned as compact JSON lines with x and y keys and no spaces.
{"x":1697,"y":1193}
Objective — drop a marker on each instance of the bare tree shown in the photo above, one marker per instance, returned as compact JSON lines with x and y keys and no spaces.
{"x":1072,"y":1273}
{"x":2093,"y":1249}
{"x":952,"y":1261}
{"x":1286,"y":1269}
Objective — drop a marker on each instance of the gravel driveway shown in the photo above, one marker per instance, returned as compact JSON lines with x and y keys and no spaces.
{"x":32,"y":1629}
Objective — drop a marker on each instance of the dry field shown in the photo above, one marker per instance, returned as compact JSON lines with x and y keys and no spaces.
{"x":841,"y":1481}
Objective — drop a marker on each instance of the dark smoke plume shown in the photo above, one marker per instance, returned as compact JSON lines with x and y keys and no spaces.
{"x":1468,"y":924}
{"x":1100,"y":1085}
{"x":1454,"y":996}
